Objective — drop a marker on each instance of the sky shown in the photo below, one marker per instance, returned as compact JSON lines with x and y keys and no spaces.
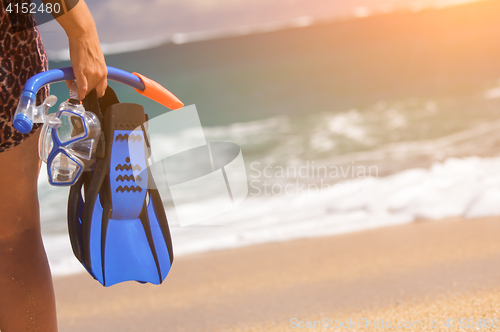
{"x":120,"y":21}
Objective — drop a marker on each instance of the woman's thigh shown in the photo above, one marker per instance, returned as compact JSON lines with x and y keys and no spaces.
{"x":19,"y":167}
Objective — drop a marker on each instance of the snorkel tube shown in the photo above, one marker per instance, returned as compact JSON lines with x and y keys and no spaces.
{"x":27,"y":113}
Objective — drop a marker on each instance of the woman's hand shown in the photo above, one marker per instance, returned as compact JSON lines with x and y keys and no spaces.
{"x":85,"y":52}
{"x":88,"y":65}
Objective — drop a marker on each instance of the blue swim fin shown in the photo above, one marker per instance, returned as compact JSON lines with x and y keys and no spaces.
{"x":118,"y":227}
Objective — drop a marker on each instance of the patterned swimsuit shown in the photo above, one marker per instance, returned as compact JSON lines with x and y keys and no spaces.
{"x":22,"y":55}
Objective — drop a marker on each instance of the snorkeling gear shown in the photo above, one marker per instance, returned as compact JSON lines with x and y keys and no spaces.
{"x":68,"y":141}
{"x":116,"y":221}
{"x":69,"y":137}
{"x":119,"y":231}
{"x":27,"y":113}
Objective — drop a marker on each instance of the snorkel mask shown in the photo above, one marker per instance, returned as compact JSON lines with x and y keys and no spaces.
{"x":68,"y":141}
{"x":71,"y":136}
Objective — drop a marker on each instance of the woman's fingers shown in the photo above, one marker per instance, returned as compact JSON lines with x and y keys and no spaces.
{"x":68,"y":83}
{"x":81,"y":83}
{"x":101,"y":87}
{"x":88,"y":65}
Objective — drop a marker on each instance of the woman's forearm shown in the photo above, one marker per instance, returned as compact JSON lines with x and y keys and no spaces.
{"x":55,"y":6}
{"x":77,"y":21}
{"x":85,"y":51}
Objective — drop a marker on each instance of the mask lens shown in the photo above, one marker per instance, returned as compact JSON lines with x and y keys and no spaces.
{"x":45,"y":142}
{"x":82,"y":149}
{"x":72,"y":127}
{"x":64,"y":169}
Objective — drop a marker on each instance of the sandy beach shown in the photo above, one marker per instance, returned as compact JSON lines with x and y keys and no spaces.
{"x":427,"y":270}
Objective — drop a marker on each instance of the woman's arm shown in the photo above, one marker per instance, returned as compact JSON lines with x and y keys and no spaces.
{"x":85,"y":52}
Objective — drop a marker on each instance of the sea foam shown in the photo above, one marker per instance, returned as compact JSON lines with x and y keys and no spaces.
{"x":467,"y":187}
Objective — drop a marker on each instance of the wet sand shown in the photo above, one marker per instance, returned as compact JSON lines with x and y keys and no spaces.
{"x":420,"y":271}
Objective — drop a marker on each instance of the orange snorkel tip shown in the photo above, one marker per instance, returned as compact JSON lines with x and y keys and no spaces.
{"x":155,"y":91}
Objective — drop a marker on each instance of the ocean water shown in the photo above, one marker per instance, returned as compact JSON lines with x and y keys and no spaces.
{"x":343,"y":126}
{"x":181,"y":21}
{"x":293,"y":197}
